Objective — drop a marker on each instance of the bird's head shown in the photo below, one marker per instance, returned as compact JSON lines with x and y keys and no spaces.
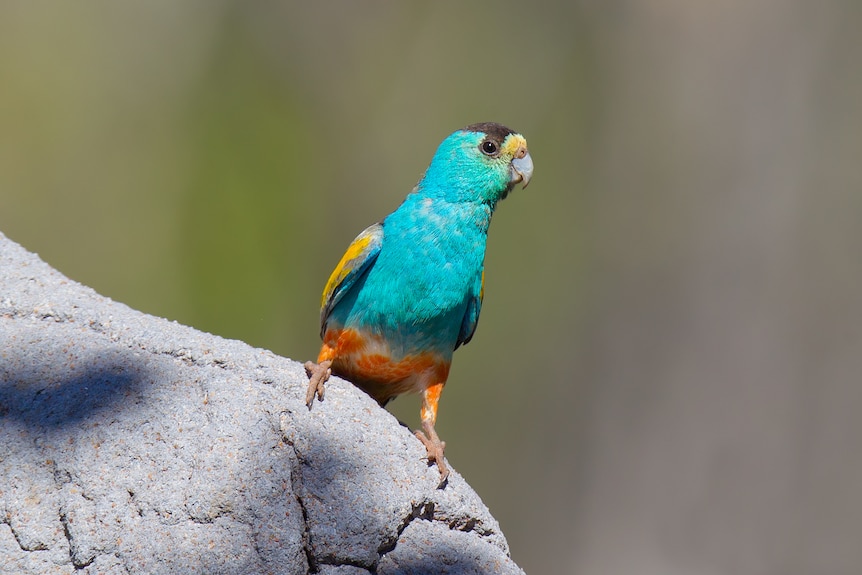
{"x":480,"y":163}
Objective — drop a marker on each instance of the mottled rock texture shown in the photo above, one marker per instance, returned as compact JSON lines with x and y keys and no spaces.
{"x":134,"y":445}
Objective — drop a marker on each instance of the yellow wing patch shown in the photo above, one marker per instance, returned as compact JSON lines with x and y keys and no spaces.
{"x":356,"y":250}
{"x":359,"y":255}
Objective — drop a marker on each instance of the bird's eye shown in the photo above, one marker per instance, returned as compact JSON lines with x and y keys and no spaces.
{"x":489,"y":147}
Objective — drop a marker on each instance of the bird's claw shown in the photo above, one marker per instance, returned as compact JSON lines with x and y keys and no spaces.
{"x":435,"y":448}
{"x":318,"y":373}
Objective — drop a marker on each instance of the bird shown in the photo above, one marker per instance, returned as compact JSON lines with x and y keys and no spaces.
{"x":408,"y":290}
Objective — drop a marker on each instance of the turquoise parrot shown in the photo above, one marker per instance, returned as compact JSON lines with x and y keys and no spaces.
{"x":408,"y":290}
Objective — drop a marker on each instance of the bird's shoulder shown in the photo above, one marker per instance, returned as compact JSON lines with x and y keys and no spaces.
{"x":357,"y":259}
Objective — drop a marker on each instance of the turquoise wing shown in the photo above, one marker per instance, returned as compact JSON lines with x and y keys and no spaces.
{"x":471,"y":316}
{"x":359,"y":256}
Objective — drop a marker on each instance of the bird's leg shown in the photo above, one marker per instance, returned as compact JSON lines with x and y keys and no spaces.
{"x":318,"y":373}
{"x":428,"y":436}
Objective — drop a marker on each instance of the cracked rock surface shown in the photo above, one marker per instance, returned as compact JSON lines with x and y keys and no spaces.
{"x":130,"y":445}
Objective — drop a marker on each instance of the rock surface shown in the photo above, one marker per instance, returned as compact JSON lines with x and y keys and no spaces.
{"x":130,"y":444}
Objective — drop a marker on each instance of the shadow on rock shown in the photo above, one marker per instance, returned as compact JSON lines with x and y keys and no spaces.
{"x":45,"y":399}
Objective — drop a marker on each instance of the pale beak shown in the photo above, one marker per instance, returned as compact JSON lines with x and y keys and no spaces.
{"x":521,"y":170}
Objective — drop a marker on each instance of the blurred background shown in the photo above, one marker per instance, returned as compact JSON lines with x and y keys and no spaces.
{"x":666,"y":376}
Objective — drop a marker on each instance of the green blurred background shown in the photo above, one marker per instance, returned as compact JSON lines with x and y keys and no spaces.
{"x":666,"y":376}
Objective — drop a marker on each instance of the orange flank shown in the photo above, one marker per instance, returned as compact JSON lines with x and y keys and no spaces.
{"x":366,"y":362}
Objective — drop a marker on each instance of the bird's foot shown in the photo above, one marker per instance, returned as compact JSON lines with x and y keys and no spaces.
{"x":435,"y":448}
{"x":318,"y":373}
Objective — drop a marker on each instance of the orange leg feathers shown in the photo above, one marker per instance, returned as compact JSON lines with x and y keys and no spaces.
{"x":429,"y":437}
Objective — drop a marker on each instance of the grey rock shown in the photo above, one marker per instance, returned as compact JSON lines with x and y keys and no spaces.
{"x":454,"y":552}
{"x":342,"y":570}
{"x":130,"y":444}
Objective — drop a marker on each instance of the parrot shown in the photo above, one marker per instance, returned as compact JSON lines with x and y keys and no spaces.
{"x":408,"y":290}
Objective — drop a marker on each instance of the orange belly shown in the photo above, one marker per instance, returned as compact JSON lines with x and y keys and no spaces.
{"x":367,"y":362}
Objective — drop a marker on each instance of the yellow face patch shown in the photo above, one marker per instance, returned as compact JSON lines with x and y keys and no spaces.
{"x":515,"y":146}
